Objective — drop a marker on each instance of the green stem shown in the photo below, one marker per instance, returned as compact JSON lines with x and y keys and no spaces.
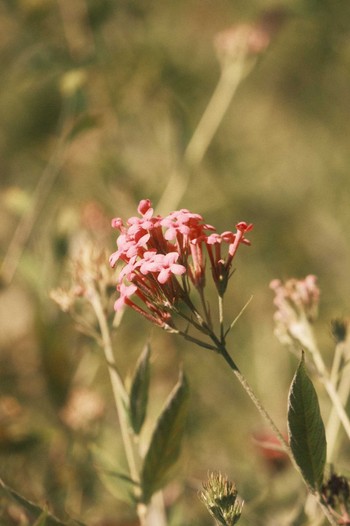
{"x":338,"y":354}
{"x":231,"y":75}
{"x":238,"y":316}
{"x":121,"y":400}
{"x":328,"y":384}
{"x":119,"y":393}
{"x":337,"y":404}
{"x":333,"y":423}
{"x":205,"y":307}
{"x":263,"y":412}
{"x":221,"y":319}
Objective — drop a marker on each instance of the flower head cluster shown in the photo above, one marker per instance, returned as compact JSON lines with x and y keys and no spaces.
{"x":297,"y":306}
{"x":163,"y":257}
{"x":89,"y":272}
{"x":243,"y":38}
{"x":219,"y":495}
{"x":336,"y":492}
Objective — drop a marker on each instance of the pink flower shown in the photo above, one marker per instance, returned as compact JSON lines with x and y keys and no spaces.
{"x":169,"y":266}
{"x":297,"y":305}
{"x":125,"y":293}
{"x":183,"y":226}
{"x":221,"y":264}
{"x":156,"y":251}
{"x":163,"y":265}
{"x":300,"y":295}
{"x":117,"y":223}
{"x":145,"y":208}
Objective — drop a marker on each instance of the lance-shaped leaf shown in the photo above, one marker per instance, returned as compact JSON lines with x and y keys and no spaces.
{"x":139,"y":391}
{"x":35,"y":511}
{"x":165,"y":445}
{"x":306,"y":430}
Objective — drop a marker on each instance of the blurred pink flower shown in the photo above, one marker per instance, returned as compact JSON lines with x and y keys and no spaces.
{"x":297,"y":306}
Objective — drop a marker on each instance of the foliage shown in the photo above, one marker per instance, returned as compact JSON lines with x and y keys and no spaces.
{"x":100,"y":106}
{"x":306,"y":429}
{"x":164,"y":449}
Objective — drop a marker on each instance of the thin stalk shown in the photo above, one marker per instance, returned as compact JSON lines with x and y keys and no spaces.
{"x":326,"y":511}
{"x":263,"y":412}
{"x":233,"y":323}
{"x":221,"y":318}
{"x":231,"y":75}
{"x":205,"y":307}
{"x":198,"y":342}
{"x":329,"y":386}
{"x":333,"y":423}
{"x":309,"y":342}
{"x":121,"y":399}
{"x":119,"y":393}
{"x":338,"y":406}
{"x":338,"y":354}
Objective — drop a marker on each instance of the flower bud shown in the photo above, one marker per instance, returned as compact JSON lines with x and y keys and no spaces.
{"x":219,"y":495}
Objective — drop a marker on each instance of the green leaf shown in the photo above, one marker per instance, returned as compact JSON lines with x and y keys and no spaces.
{"x":165,"y":445}
{"x":139,"y":391}
{"x":33,"y":509}
{"x":306,"y":430}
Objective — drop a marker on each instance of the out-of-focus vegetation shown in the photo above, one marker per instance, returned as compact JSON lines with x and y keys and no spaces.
{"x":98,"y":101}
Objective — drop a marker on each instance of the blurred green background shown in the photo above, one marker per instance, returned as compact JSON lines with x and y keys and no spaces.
{"x":98,"y":101}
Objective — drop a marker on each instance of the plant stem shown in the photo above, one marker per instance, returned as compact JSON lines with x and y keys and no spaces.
{"x":230,"y":78}
{"x":121,"y":400}
{"x":231,"y":75}
{"x":263,"y":412}
{"x":120,"y":395}
{"x":333,"y":423}
{"x":221,"y":319}
{"x":337,"y":404}
{"x":338,"y":354}
{"x":329,"y":386}
{"x":238,"y":316}
{"x":205,"y":307}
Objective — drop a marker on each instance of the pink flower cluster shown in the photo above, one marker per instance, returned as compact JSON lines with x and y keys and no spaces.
{"x":300,"y":296}
{"x":296,"y":304}
{"x":163,"y":256}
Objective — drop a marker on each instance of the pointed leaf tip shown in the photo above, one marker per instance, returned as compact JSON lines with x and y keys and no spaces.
{"x":139,"y":391}
{"x":306,"y":429}
{"x":165,"y":445}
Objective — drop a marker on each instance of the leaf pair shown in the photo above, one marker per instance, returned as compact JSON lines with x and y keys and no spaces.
{"x":164,"y":448}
